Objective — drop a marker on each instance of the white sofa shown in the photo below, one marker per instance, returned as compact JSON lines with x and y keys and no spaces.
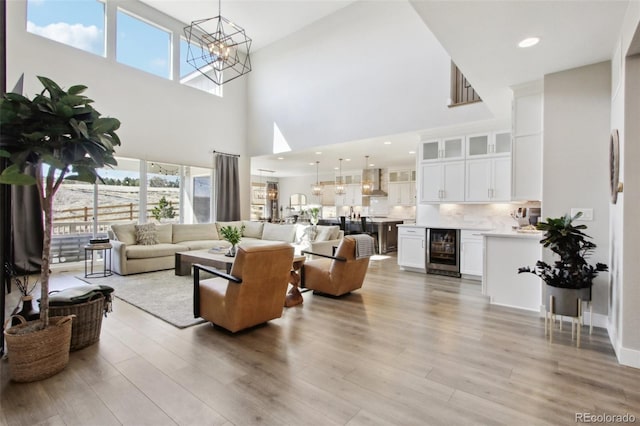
{"x":131,"y":257}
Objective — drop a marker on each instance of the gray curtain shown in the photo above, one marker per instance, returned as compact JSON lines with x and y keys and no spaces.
{"x":227,"y":188}
{"x":27,"y":229}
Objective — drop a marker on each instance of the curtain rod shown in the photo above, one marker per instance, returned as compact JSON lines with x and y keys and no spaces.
{"x":224,"y":153}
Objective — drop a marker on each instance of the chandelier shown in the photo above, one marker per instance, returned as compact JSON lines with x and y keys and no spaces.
{"x":220,"y":56}
{"x":340,"y":188}
{"x":316,"y":189}
{"x":272,"y":192}
{"x":367,"y":185}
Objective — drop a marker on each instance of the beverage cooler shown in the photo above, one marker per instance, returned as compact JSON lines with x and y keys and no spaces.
{"x":443,"y":251}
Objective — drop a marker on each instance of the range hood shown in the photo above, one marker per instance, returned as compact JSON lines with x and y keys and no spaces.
{"x":376,"y":177}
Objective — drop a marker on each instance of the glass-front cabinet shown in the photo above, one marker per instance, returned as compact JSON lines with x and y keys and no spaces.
{"x":489,"y":144}
{"x":451,"y":148}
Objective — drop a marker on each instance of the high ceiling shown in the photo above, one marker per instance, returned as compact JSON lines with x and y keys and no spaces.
{"x":481,"y":37}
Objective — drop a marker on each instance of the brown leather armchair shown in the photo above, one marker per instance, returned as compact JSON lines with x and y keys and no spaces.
{"x":336,"y":275}
{"x":253,"y":293}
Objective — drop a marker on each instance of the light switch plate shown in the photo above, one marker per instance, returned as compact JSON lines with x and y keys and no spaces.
{"x":587,"y":214}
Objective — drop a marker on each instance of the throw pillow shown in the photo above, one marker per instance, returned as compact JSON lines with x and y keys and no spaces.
{"x":147,"y":234}
{"x":305,"y":233}
{"x":327,"y":233}
{"x":324,"y":234}
{"x":252,"y":229}
{"x":125,"y":233}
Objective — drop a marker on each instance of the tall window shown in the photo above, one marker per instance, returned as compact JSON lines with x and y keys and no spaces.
{"x":119,"y":194}
{"x":189,"y":76}
{"x":163,"y":192}
{"x":201,"y":195}
{"x":143,"y":45}
{"x":77,"y":23}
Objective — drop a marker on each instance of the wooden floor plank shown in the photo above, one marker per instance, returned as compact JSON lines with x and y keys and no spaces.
{"x":406,"y":349}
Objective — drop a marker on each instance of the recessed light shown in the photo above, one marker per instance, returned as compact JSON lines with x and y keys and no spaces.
{"x":318,"y":152}
{"x":311,"y":164}
{"x":371,"y":165}
{"x":280,"y":158}
{"x":412,"y":152}
{"x":335,"y":168}
{"x":387,"y":143}
{"x":528,"y":42}
{"x":347,"y":159}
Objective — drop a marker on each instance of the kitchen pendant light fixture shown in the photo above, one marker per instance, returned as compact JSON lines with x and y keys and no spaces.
{"x":222,"y":55}
{"x":340,"y":188}
{"x":367,"y":184}
{"x":316,"y":189}
{"x":272,"y":192}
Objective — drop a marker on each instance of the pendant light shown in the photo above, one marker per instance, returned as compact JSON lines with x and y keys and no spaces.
{"x":340,"y":188}
{"x":316,"y":189}
{"x":222,"y":55}
{"x":367,"y":184}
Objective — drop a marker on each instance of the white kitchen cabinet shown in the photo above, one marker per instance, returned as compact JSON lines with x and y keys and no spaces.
{"x":412,"y":248}
{"x":471,"y":253}
{"x":442,"y":182}
{"x":401,"y":194}
{"x":488,"y":179}
{"x":452,"y":148}
{"x":351,"y":197}
{"x":489,"y":144}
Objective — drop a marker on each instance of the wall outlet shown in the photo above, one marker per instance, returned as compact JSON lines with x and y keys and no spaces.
{"x":587,"y":214}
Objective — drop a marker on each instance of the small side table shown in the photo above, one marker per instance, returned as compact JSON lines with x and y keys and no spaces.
{"x":90,"y":252}
{"x":294,"y":297}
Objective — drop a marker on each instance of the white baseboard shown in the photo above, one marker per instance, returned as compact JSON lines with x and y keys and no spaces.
{"x":626,"y":356}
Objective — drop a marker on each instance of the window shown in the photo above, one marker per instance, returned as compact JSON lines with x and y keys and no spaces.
{"x":461,"y":91}
{"x":143,"y":46}
{"x":119,"y":194}
{"x":77,"y":23}
{"x":191,"y":77}
{"x":163,"y":192}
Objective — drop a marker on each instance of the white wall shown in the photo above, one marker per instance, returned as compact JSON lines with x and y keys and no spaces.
{"x":577,"y":105}
{"x":161,"y":119}
{"x":373,"y":69}
{"x":624,"y":315}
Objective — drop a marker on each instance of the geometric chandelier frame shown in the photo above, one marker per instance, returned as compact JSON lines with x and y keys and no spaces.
{"x":222,"y":55}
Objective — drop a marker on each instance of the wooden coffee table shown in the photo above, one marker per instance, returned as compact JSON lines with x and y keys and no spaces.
{"x":185,"y":259}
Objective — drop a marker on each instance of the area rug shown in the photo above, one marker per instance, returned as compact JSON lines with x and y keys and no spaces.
{"x":162,"y":294}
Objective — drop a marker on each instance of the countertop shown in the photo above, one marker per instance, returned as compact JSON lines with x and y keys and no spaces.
{"x":441,"y":226}
{"x":369,"y":219}
{"x":534,"y":235}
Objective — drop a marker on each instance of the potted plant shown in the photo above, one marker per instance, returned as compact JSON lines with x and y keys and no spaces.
{"x":164,"y":210}
{"x":233,"y":235}
{"x":570,"y":278}
{"x":63,"y":137}
{"x":314,"y":213}
{"x":21,"y":281}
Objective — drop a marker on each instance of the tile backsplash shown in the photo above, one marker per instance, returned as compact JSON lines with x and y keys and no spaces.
{"x":491,"y":216}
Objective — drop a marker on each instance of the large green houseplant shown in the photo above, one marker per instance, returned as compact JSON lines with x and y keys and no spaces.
{"x":570,"y":277}
{"x":63,"y":137}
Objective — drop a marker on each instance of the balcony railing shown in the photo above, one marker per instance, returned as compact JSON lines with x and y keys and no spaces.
{"x":73,"y":228}
{"x":461,"y":91}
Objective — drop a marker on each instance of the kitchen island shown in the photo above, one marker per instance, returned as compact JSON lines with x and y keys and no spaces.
{"x":383,"y":229}
{"x":504,"y":253}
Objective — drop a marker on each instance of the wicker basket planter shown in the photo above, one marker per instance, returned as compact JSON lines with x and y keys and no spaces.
{"x":88,"y":323}
{"x":38,"y":354}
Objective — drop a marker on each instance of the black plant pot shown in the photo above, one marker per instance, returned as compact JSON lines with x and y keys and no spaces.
{"x":566,"y":299}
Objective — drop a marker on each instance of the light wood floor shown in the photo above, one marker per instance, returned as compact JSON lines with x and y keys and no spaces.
{"x":406,"y":349}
